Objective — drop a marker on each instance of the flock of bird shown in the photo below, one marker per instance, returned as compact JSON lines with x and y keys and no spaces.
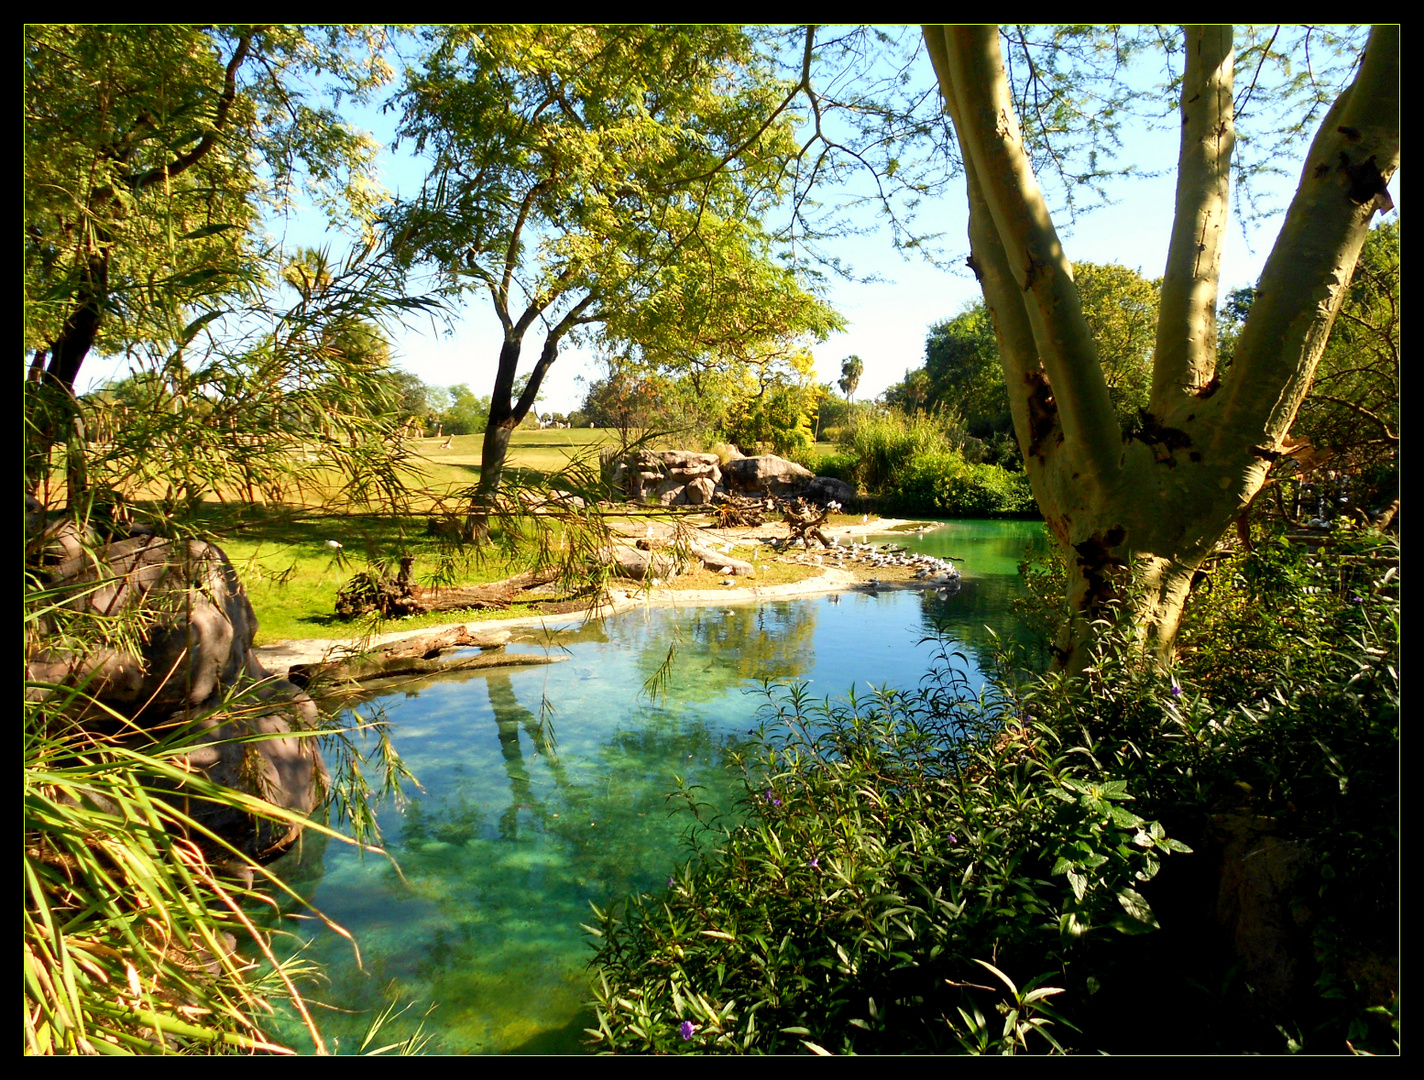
{"x":938,"y":575}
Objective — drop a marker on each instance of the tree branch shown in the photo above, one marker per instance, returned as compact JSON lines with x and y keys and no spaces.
{"x":229,"y":95}
{"x":1343,"y":183}
{"x":1185,"y":357}
{"x":990,"y":138}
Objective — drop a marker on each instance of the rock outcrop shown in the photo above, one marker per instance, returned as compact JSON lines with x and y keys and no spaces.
{"x":685,"y":478}
{"x":767,"y":473}
{"x":180,"y":652}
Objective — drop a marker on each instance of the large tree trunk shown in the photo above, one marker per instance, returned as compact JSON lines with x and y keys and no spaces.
{"x":506,"y":415}
{"x":1152,"y":503}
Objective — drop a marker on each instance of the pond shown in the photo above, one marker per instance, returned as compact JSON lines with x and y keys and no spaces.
{"x":544,"y":790}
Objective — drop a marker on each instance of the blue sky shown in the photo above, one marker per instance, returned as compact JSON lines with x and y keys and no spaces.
{"x":887,"y":320}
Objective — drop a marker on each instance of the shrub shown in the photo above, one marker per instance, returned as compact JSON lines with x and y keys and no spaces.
{"x":893,"y":850}
{"x":903,"y":860}
{"x":945,"y":485}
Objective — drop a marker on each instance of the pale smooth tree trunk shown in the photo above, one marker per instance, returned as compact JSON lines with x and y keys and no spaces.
{"x":1137,"y":513}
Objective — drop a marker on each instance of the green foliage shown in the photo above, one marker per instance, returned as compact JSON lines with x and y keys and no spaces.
{"x":917,"y":465}
{"x":145,"y":154}
{"x":1352,"y":410}
{"x":777,"y":416}
{"x":962,"y":370}
{"x":901,"y":856}
{"x":852,"y":367}
{"x":883,"y":443}
{"x":466,"y":413}
{"x":609,"y":177}
{"x":945,"y":485}
{"x":139,"y":937}
{"x":890,"y":844}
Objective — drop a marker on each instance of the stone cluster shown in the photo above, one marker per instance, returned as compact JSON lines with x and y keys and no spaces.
{"x":685,"y":478}
{"x":187,"y":659}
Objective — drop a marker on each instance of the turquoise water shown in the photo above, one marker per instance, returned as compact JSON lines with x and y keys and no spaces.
{"x":544,"y":790}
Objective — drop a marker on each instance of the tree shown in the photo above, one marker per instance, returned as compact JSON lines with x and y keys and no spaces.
{"x":604,"y":176}
{"x":149,"y":151}
{"x":962,"y":362}
{"x":467,"y":413}
{"x":775,"y":409}
{"x":1352,"y":410}
{"x":1153,"y":502}
{"x":851,"y":369}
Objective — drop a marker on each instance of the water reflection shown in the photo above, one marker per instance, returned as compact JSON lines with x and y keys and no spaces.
{"x":545,"y":790}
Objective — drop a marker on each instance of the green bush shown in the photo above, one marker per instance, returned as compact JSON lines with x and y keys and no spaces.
{"x":904,"y":861}
{"x":881,"y":444}
{"x":917,"y":466}
{"x":893,"y":850}
{"x":943,"y":484}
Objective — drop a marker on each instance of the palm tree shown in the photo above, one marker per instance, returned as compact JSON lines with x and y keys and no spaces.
{"x":851,"y":367}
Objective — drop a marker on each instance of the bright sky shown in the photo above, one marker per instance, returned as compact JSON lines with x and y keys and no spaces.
{"x":887,"y":321}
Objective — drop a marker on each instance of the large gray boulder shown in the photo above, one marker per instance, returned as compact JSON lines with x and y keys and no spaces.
{"x":766,"y":474}
{"x":181,"y":653}
{"x":823,"y":490}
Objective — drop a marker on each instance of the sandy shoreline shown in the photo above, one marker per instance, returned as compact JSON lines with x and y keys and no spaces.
{"x":280,"y":655}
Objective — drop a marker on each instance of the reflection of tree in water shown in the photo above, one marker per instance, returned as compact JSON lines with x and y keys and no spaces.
{"x":719,"y":648}
{"x":501,"y":875}
{"x":988,"y":553}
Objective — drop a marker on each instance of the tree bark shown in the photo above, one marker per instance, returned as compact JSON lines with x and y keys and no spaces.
{"x":1137,"y":512}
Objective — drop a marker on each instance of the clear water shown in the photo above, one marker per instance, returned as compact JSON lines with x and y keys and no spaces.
{"x":545,"y":790}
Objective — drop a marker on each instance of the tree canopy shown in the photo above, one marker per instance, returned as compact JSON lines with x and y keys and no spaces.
{"x":605,"y":176}
{"x":150,"y":154}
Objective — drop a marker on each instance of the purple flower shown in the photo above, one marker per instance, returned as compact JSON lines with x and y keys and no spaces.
{"x":953,"y":839}
{"x":670,"y":883}
{"x":685,"y":1029}
{"x":814,"y":863}
{"x":1176,"y":690}
{"x":772,"y":798}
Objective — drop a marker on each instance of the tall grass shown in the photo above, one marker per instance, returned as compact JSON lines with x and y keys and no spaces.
{"x":882,"y":444}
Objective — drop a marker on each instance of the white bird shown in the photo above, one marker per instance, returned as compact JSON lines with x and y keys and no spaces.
{"x":865,"y":519}
{"x":335,"y":545}
{"x":726,"y":570}
{"x":650,"y":531}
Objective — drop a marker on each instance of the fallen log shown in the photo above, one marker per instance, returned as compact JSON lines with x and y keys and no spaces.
{"x":399,"y":596}
{"x":365,"y":670}
{"x":420,"y":655}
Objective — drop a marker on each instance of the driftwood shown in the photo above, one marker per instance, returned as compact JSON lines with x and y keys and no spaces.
{"x":804,"y":523}
{"x":668,"y":559}
{"x":741,"y":511}
{"x":418,"y":656}
{"x":399,"y":596}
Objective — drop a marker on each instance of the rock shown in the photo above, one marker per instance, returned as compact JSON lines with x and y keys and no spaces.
{"x":768,"y":473}
{"x":287,"y":772}
{"x":699,"y":492}
{"x":662,"y":475}
{"x":827,"y":489}
{"x":721,"y":563}
{"x":630,"y":562}
{"x":201,"y":624}
{"x":192,"y":663}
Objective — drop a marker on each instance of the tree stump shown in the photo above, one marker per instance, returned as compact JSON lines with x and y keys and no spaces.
{"x":804,"y":523}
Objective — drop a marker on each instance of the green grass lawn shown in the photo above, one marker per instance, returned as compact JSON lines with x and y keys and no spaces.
{"x":542,"y":453}
{"x":292,"y":574}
